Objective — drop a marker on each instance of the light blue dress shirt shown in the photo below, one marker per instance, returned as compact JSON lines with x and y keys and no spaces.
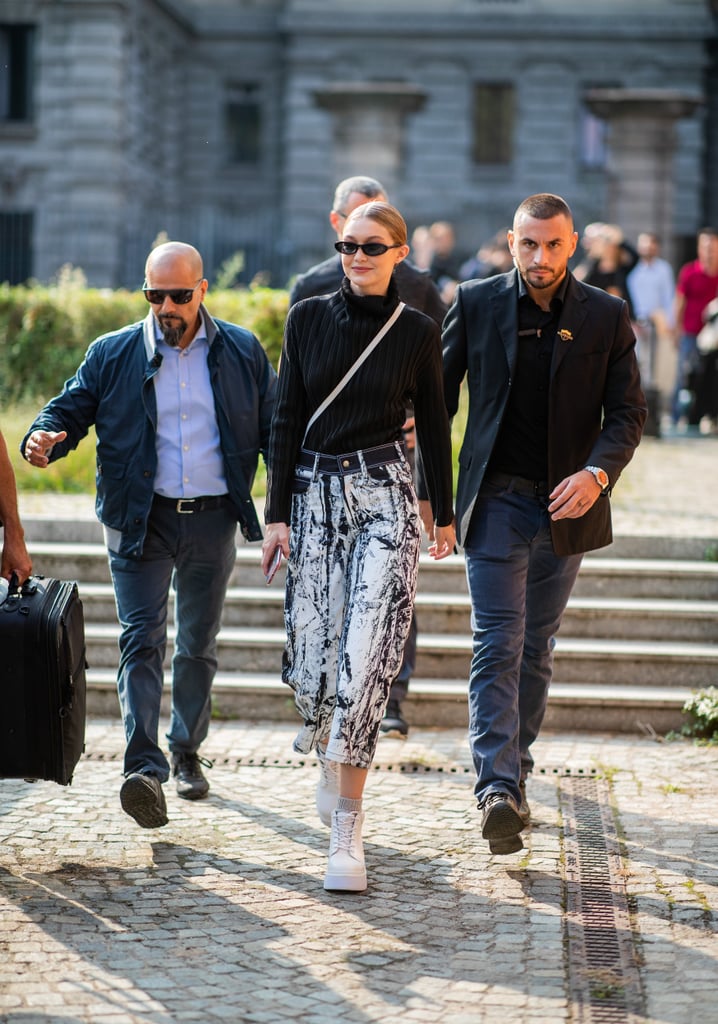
{"x":189,"y":457}
{"x":652,"y":287}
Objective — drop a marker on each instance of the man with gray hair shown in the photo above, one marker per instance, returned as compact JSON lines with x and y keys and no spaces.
{"x":415,"y":286}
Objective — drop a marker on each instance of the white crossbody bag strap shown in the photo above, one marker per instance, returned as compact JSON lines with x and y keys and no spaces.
{"x":354,"y":367}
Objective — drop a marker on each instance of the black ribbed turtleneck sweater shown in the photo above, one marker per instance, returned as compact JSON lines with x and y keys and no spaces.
{"x":322,"y":338}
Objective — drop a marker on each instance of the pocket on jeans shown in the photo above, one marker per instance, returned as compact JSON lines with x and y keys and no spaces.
{"x":390,"y":473}
{"x":300,"y":484}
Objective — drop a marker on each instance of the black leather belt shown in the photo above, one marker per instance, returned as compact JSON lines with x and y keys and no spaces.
{"x":350,"y":462}
{"x":188,"y":506}
{"x":519,"y":484}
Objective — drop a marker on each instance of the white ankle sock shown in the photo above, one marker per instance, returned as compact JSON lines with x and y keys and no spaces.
{"x":344,"y":803}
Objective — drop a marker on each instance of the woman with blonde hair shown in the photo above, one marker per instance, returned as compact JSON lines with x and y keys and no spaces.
{"x":341,"y":508}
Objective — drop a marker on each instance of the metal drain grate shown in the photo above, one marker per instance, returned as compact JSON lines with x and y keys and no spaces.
{"x":603,"y":975}
{"x":407,"y":767}
{"x":402,"y":767}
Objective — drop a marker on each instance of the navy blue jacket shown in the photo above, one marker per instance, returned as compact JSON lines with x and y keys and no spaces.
{"x":113,"y":390}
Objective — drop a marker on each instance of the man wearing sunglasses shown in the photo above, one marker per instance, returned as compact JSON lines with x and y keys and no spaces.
{"x":182,"y":406}
{"x":416,"y":289}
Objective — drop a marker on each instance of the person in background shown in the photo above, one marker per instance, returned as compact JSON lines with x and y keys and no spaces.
{"x":182,"y":407}
{"x":697,"y":285}
{"x":15,"y":557}
{"x":651,"y":283}
{"x":418,"y":290}
{"x":651,"y":286}
{"x":610,"y":259}
{"x":492,"y":257}
{"x":555,"y":413}
{"x":341,"y":507}
{"x":446,"y":261}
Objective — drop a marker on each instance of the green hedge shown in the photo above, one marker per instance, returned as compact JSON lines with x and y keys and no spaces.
{"x":45,"y":331}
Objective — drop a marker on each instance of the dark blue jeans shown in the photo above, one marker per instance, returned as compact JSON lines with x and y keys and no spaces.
{"x":519,"y":590}
{"x":687,"y":380}
{"x":195,"y":554}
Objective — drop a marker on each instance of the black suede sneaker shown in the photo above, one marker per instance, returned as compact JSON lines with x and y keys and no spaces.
{"x":187,"y":770}
{"x":392,"y":724}
{"x":501,"y":823}
{"x":142,"y":798}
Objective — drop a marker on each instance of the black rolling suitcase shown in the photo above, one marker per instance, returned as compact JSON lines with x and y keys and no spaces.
{"x":42,"y":681}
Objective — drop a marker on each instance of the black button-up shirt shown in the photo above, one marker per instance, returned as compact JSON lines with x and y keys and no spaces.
{"x":521,"y":447}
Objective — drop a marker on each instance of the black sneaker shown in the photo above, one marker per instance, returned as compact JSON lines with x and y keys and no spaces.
{"x":142,"y":798}
{"x":187,"y":770}
{"x":501,"y":823}
{"x":501,"y":847}
{"x":392,"y":724}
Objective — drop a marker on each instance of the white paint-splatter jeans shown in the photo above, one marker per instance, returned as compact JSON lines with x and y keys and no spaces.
{"x":351,"y":581}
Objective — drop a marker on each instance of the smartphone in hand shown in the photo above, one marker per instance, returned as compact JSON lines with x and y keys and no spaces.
{"x":274,"y":565}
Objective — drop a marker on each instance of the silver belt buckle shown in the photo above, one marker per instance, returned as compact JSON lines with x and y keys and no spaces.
{"x":185,"y":511}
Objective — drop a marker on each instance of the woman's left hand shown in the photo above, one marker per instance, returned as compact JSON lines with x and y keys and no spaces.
{"x":443,"y":542}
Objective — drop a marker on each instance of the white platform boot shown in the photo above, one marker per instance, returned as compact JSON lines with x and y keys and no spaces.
{"x":346,"y":869}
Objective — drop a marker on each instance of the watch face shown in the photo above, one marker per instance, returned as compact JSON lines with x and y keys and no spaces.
{"x":602,"y":476}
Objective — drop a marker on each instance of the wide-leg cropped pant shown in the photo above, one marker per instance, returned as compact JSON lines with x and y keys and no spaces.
{"x":351,"y":582}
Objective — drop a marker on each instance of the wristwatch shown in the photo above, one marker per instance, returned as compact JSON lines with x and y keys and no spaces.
{"x":601,"y":477}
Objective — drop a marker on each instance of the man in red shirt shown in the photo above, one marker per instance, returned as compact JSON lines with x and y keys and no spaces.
{"x":697,"y":285}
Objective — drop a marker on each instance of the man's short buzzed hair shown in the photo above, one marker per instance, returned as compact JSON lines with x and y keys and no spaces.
{"x":369,"y":187}
{"x":544,"y":206}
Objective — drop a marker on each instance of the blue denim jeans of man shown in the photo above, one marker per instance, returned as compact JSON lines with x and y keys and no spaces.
{"x":194,"y":554}
{"x":519,"y":590}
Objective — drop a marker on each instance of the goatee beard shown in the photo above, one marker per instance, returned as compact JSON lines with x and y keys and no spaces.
{"x":172,"y":335}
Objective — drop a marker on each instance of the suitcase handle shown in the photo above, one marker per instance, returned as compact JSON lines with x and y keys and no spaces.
{"x":28,"y":587}
{"x":12,"y":600}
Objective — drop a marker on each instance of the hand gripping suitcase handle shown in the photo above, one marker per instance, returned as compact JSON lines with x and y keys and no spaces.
{"x":15,"y":589}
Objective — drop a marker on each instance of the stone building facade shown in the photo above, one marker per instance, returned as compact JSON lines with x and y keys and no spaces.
{"x":227,"y":123}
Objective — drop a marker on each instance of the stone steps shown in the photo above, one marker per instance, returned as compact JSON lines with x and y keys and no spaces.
{"x":640,"y":633}
{"x":642,"y":619}
{"x":625,"y":662}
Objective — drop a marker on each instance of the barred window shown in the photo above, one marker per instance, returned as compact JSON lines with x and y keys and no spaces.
{"x":16,"y":72}
{"x":494,"y":116}
{"x":16,"y":246}
{"x":243,"y":123}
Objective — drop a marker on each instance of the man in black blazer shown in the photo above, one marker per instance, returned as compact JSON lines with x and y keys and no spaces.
{"x":416,"y":289}
{"x":555,"y":413}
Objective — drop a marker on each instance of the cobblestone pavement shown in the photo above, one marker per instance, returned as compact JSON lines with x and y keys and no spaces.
{"x":221,"y":915}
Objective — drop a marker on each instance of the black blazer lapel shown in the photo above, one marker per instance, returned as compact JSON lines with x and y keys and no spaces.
{"x":504,"y":303}
{"x":573,"y":316}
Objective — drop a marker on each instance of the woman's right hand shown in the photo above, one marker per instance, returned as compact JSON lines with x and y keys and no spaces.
{"x":276,"y":535}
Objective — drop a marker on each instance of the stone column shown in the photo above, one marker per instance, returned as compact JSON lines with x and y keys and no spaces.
{"x":368,"y":127}
{"x":641,"y":146}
